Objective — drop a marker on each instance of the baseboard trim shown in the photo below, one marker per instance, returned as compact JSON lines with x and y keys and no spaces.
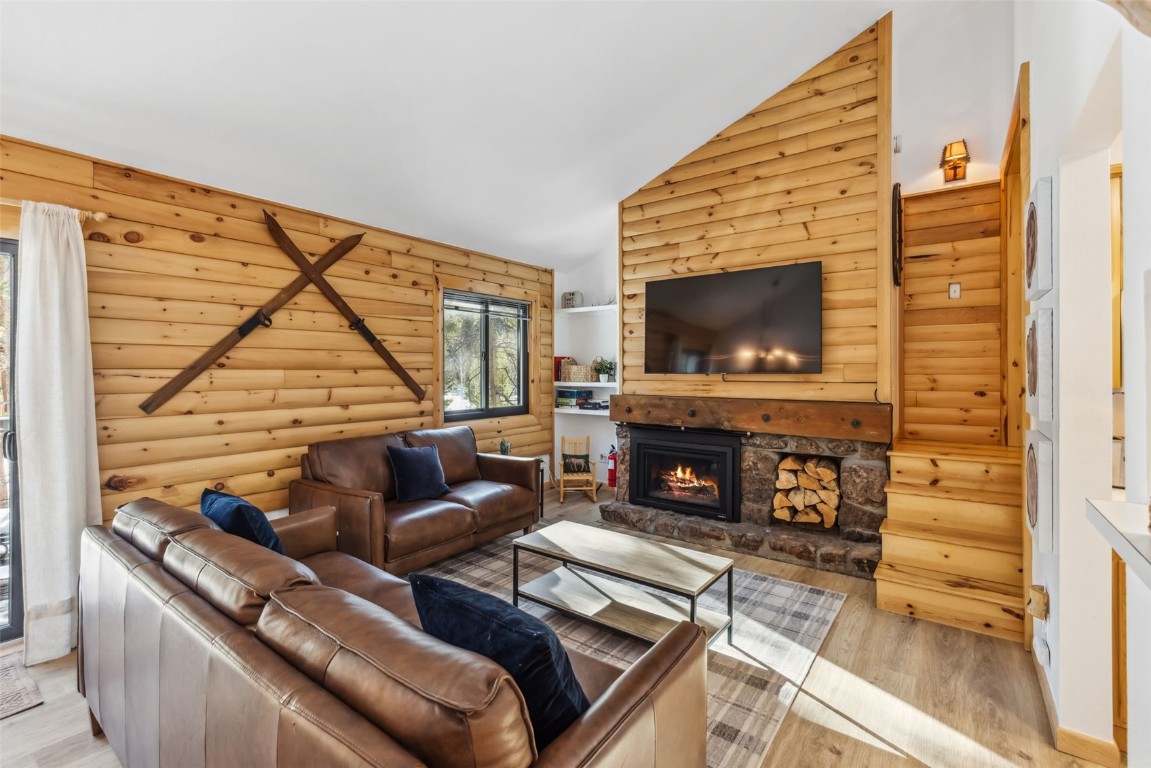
{"x":1072,"y":742}
{"x":1087,"y":747}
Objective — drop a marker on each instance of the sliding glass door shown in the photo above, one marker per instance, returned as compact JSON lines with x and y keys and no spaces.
{"x":11,"y":592}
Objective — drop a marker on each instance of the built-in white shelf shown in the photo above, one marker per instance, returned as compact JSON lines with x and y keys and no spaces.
{"x":1125,"y":526}
{"x":596,"y":308}
{"x":583,"y":412}
{"x":586,"y":384}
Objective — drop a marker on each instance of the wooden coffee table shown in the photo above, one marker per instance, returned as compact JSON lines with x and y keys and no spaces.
{"x":624,"y":606}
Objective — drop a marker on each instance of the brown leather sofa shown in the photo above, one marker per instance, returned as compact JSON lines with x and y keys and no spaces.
{"x":199,"y":648}
{"x":491,"y":495}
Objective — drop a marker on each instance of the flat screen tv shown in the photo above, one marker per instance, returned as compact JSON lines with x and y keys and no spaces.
{"x":766,"y":320}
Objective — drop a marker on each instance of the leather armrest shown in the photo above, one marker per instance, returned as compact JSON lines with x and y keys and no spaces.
{"x":359,"y":516}
{"x":308,"y":533}
{"x":654,"y":714}
{"x":514,"y":470}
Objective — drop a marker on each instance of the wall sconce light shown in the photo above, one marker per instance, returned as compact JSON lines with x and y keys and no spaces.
{"x":954,"y":161}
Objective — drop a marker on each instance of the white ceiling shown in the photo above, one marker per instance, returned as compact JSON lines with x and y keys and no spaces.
{"x":507,"y":127}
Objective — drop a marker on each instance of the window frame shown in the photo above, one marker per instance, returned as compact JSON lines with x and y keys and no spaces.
{"x":524,"y":309}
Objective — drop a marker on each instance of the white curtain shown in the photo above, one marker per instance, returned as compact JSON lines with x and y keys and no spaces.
{"x":55,"y":420}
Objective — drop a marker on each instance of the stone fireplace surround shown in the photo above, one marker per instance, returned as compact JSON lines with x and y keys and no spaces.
{"x":851,"y":548}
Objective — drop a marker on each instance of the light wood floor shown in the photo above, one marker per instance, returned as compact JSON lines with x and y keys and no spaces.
{"x":886,"y":690}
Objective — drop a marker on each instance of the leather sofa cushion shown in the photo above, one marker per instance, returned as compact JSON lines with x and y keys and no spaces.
{"x":493,"y":503}
{"x":351,"y":574}
{"x":356,"y":462}
{"x":418,"y":525}
{"x":149,"y":524}
{"x":448,"y":706}
{"x":233,"y":574}
{"x":457,"y":447}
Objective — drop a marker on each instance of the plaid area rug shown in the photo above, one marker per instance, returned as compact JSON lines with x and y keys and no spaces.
{"x":18,"y":691}
{"x":779,"y":627}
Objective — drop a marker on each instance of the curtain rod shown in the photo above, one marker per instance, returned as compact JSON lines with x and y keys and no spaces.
{"x":94,"y":215}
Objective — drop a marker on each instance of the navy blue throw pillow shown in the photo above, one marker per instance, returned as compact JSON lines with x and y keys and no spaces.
{"x":239,"y":518}
{"x":520,"y":643}
{"x":419,"y":474}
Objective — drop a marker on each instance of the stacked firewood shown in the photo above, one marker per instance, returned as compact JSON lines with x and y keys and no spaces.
{"x":807,"y":490}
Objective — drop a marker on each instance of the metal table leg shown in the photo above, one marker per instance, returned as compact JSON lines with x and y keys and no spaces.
{"x":516,"y":576}
{"x":730,"y":606}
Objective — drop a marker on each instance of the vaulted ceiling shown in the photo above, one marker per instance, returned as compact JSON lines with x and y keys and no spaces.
{"x":507,"y":127}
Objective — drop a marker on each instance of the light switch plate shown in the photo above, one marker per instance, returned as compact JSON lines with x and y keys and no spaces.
{"x":953,"y":290}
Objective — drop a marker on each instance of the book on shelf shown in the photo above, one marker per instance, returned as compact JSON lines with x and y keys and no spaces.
{"x":570,"y":392}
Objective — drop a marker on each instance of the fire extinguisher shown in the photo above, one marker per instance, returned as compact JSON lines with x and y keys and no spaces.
{"x":611,"y":468}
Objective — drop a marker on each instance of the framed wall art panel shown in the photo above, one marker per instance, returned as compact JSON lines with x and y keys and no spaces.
{"x":1040,"y":368}
{"x":1038,"y":478}
{"x":1037,"y":244}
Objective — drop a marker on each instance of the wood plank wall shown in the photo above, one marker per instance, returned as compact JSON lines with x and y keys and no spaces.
{"x":953,"y":357}
{"x":179,"y":264}
{"x":800,"y":178}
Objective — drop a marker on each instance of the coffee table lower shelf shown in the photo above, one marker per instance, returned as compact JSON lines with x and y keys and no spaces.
{"x":621,"y":606}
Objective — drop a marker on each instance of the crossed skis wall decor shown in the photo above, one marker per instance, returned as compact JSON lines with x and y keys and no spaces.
{"x":310,"y":274}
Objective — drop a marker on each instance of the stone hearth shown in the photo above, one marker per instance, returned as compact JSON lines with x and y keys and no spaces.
{"x":851,"y":548}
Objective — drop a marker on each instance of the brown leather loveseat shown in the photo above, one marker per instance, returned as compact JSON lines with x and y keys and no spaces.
{"x":199,"y":648}
{"x":490,"y":495}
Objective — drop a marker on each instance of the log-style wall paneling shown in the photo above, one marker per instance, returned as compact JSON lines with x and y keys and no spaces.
{"x":805,"y":176}
{"x":953,"y":357}
{"x":178,"y":265}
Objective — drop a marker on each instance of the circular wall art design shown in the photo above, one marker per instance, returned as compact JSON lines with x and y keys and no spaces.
{"x":1037,"y":229}
{"x":1032,"y":358}
{"x":1031,"y":248}
{"x":1032,"y":488}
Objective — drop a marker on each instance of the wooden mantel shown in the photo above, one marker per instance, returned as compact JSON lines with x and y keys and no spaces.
{"x":803,"y":418}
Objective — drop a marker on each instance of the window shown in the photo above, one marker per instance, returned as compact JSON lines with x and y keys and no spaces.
{"x":485,"y":356}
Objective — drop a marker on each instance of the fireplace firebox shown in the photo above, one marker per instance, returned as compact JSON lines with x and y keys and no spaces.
{"x":691,"y":471}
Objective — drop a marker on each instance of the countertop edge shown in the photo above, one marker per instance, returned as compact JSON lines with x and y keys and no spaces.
{"x":1125,"y":527}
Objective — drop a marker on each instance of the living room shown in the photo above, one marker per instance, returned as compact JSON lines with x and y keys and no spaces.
{"x":613,"y":175}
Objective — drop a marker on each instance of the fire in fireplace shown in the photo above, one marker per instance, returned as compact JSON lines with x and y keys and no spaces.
{"x":691,"y":471}
{"x":682,"y":483}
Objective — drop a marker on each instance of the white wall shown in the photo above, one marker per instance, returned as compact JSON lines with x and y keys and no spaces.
{"x":1079,"y":102}
{"x":1136,"y":66}
{"x":1079,"y":630}
{"x":952,"y":79}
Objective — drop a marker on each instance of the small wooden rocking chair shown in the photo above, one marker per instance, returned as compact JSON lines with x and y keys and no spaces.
{"x":577,"y":470}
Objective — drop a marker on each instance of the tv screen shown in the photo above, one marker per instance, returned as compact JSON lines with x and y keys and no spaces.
{"x":766,"y":320}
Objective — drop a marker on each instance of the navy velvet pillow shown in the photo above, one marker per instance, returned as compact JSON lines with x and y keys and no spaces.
{"x":239,"y":518}
{"x":520,"y":643}
{"x":419,"y":474}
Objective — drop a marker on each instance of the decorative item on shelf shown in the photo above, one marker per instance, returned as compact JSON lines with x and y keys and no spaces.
{"x":572,"y":371}
{"x":954,"y":161}
{"x":605,"y":368}
{"x":505,"y":447}
{"x":571,"y":299}
{"x":559,"y":361}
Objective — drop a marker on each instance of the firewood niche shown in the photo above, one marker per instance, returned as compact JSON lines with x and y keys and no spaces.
{"x":808,"y":490}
